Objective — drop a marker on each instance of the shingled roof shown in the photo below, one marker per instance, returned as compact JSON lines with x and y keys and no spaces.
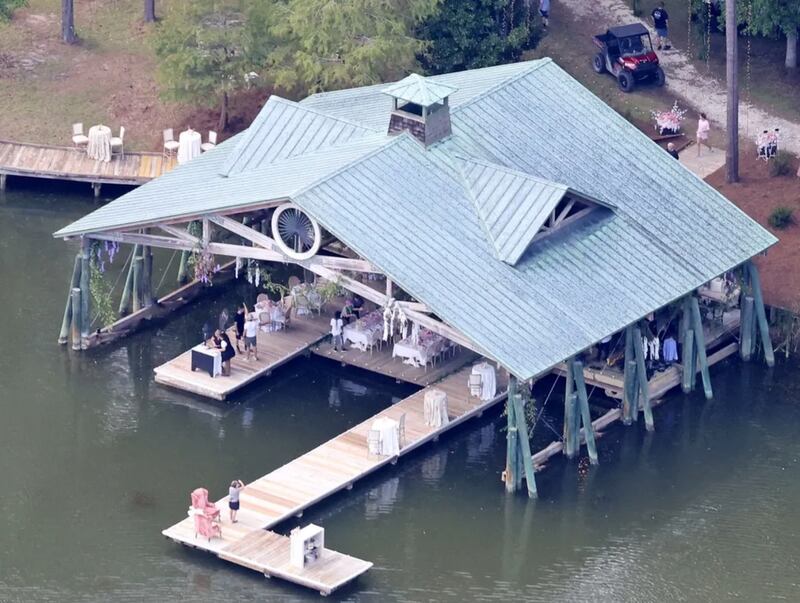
{"x":428,"y":217}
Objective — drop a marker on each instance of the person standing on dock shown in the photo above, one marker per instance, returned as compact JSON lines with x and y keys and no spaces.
{"x":227,"y":351}
{"x":337,"y":324}
{"x":251,"y":335}
{"x":241,"y":312}
{"x":233,"y":498}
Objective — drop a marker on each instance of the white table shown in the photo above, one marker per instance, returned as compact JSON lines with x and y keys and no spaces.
{"x":188,"y":146}
{"x":419,"y":354}
{"x":435,"y":410}
{"x":389,"y":431}
{"x":364,"y":338}
{"x":99,"y":146}
{"x":488,"y":380}
{"x":213,"y":353}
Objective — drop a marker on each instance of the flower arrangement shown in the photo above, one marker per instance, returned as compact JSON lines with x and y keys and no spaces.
{"x":205,"y":266}
{"x":669,"y":122}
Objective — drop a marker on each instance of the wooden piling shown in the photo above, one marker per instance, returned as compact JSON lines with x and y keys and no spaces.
{"x":746,"y":328}
{"x":96,"y":187}
{"x":74,"y":282}
{"x":75,"y":331}
{"x":688,"y":362}
{"x":641,"y":377}
{"x":147,"y":276}
{"x":512,"y":474}
{"x":630,"y":393}
{"x":700,"y":347}
{"x":586,"y":417}
{"x":524,"y":446}
{"x":125,"y":302}
{"x":3,"y":181}
{"x":85,"y":293}
{"x":570,"y":410}
{"x":137,"y":283}
{"x":183,"y":268}
{"x":761,"y":315}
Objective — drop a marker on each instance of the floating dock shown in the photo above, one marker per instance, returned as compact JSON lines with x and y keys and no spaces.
{"x":317,"y":475}
{"x":69,"y":163}
{"x":274,"y":349}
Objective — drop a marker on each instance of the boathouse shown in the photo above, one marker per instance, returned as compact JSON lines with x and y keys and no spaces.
{"x":519,"y":215}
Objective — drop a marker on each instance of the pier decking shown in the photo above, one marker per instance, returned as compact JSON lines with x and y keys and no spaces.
{"x":274,"y":349}
{"x":320,"y":473}
{"x":68,"y":163}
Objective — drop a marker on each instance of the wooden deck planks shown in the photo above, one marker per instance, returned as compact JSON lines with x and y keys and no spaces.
{"x":316,"y":475}
{"x":68,"y":163}
{"x":274,"y":349}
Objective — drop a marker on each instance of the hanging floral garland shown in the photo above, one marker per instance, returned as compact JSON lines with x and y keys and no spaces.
{"x":205,"y":266}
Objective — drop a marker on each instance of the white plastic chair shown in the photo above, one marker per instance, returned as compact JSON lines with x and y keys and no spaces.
{"x":402,"y":430}
{"x":170,"y":144}
{"x":212,"y":141}
{"x":78,"y":137}
{"x":373,"y":442}
{"x":118,"y":142}
{"x":475,"y":385}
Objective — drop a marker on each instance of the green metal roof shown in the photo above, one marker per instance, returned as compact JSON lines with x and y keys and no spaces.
{"x":419,"y":90}
{"x":433,"y":226}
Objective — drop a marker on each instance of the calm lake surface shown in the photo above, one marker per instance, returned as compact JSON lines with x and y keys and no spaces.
{"x":96,"y":459}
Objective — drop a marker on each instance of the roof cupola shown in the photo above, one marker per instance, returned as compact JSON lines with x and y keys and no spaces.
{"x":420,"y":106}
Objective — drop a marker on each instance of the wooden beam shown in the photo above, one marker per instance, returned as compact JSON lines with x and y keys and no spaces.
{"x":206,"y":232}
{"x":135,"y":238}
{"x":564,"y":212}
{"x":414,"y":306}
{"x":179,"y":233}
{"x":245,"y":231}
{"x":445,"y":331}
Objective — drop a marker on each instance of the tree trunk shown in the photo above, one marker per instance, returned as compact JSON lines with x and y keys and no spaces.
{"x":149,"y":11}
{"x":68,"y":22}
{"x":732,"y":73}
{"x":223,"y":112}
{"x":791,"y":49}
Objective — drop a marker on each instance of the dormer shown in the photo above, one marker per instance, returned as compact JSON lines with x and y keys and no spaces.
{"x":420,"y":107}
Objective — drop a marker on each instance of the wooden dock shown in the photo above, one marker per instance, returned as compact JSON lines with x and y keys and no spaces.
{"x":69,"y":163}
{"x":381,"y":361}
{"x":315,"y":476}
{"x":274,"y":349}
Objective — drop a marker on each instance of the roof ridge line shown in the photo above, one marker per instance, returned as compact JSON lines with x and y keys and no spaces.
{"x":535,"y":65}
{"x":474,"y":202}
{"x":389,"y":143}
{"x":508,"y":170}
{"x":316,"y":111}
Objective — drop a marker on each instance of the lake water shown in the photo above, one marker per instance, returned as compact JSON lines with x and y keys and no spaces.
{"x":96,"y":460}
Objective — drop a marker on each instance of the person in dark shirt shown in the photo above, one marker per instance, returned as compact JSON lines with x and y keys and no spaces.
{"x":671,"y":150}
{"x":661,"y":24}
{"x":241,"y":312}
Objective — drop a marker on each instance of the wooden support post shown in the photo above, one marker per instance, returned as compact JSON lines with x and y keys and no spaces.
{"x":125,"y":301}
{"x":96,"y":187}
{"x":206,"y":232}
{"x":688,"y":361}
{"x":512,"y":473}
{"x":570,"y":410}
{"x":389,"y":288}
{"x":74,"y":282}
{"x":75,"y":331}
{"x":700,"y":347}
{"x":85,"y":293}
{"x":641,"y":377}
{"x":746,"y":328}
{"x":3,"y":181}
{"x":524,"y":446}
{"x":138,"y":261}
{"x":583,"y":400}
{"x":147,"y":276}
{"x":630,"y":396}
{"x":761,"y":315}
{"x":183,"y":268}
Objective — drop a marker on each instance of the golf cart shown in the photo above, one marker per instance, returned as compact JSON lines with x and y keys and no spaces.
{"x":627,"y":53}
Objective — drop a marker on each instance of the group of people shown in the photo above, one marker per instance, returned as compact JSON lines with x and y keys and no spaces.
{"x":767,"y":143}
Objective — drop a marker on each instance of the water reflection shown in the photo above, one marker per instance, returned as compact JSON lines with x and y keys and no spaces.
{"x":433,"y":467}
{"x":381,"y":499}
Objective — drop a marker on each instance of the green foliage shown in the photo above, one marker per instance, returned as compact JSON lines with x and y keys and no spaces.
{"x":200,"y":46}
{"x":322,"y":44}
{"x":467,"y":34}
{"x":7,"y":8}
{"x":781,"y":217}
{"x":781,"y":164}
{"x":770,"y":17}
{"x":100,"y":290}
{"x":330,"y":290}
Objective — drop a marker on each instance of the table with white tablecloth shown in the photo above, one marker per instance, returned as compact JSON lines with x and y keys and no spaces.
{"x":99,"y":146}
{"x":366,"y":332}
{"x":389,"y":436}
{"x":424,"y":350}
{"x":188,"y":146}
{"x":488,"y":380}
{"x":435,"y":409}
{"x":206,"y":359}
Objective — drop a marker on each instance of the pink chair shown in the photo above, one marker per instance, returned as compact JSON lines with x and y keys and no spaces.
{"x":205,"y":514}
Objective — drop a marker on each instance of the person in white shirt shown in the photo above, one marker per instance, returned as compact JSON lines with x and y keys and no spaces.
{"x":337,"y":324}
{"x":251,"y":335}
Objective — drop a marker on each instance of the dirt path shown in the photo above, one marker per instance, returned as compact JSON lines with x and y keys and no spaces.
{"x":683,"y":79}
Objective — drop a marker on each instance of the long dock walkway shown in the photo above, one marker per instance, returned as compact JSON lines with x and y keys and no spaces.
{"x":274,"y":349}
{"x":315,"y":476}
{"x":69,"y":163}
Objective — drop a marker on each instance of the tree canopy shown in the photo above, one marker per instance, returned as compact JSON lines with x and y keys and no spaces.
{"x":771,"y":18}
{"x":467,"y":34}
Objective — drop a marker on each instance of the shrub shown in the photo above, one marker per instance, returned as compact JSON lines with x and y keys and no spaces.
{"x":780,"y":217}
{"x":781,"y":164}
{"x":7,"y":8}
